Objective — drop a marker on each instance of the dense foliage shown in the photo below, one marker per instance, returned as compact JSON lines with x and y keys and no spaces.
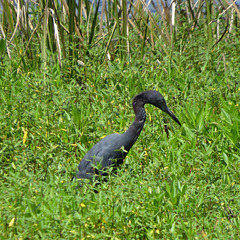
{"x":186,"y":186}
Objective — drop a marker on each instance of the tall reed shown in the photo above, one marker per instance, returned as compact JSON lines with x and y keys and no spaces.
{"x":117,"y":27}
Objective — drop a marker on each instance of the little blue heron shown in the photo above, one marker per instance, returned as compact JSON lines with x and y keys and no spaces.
{"x":112,"y":149}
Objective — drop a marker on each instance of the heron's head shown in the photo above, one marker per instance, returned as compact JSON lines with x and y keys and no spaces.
{"x":156,"y":99}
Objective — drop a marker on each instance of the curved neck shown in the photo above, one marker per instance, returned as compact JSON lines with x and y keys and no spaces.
{"x":136,"y":127}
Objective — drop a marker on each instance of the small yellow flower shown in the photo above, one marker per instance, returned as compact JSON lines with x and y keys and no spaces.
{"x":25,"y":133}
{"x":11,"y":222}
{"x":82,"y":205}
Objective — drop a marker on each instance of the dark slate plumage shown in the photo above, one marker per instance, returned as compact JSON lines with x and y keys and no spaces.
{"x":112,"y":149}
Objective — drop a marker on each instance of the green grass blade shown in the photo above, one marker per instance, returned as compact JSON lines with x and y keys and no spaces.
{"x":94,"y":23}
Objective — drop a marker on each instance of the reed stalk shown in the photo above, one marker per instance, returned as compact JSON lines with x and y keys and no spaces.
{"x":56,"y":26}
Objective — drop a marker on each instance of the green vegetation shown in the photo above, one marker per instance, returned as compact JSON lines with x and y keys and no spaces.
{"x":57,"y":99}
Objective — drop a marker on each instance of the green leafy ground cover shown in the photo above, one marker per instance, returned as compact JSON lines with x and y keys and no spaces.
{"x":182,"y":187}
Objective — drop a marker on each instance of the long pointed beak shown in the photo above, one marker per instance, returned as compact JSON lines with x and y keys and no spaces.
{"x":170,"y":113}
